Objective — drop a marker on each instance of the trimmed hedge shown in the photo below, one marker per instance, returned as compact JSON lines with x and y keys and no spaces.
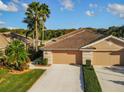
{"x":91,"y":83}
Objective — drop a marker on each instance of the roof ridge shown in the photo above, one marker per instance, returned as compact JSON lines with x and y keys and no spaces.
{"x":67,"y":34}
{"x":73,"y":34}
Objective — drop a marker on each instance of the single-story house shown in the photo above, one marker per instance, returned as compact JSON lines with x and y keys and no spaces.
{"x":78,"y":46}
{"x":4,"y":41}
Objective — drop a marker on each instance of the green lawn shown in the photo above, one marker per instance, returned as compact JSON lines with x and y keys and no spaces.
{"x":91,"y":83}
{"x":18,"y":82}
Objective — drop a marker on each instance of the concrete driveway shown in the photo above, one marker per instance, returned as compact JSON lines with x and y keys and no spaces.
{"x":111,"y":78}
{"x":60,"y":78}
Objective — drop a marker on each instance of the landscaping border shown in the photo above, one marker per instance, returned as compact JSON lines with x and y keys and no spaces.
{"x":91,"y":83}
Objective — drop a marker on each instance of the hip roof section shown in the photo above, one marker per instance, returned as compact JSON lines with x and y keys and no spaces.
{"x":74,"y":40}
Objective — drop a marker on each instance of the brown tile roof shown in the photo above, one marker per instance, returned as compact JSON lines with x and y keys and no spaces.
{"x":73,"y":41}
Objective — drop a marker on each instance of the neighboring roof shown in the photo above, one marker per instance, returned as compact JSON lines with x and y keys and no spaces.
{"x":3,"y":41}
{"x":98,"y":41}
{"x":21,"y":37}
{"x":74,"y":40}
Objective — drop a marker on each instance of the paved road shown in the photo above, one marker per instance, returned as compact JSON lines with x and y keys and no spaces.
{"x":111,"y":78}
{"x":60,"y":78}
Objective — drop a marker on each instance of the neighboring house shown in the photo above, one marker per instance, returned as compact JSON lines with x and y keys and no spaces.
{"x":81,"y":45}
{"x":4,"y":41}
{"x":27,"y":41}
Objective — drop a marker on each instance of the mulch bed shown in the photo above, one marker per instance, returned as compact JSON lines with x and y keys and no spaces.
{"x":19,"y":72}
{"x":43,"y":65}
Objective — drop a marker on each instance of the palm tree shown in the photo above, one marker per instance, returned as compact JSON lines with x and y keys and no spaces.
{"x":45,"y":14}
{"x":16,"y":53}
{"x":32,"y":14}
{"x":36,"y":16}
{"x":30,"y":26}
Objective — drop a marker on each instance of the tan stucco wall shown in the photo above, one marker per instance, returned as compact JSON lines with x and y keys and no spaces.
{"x":48,"y":55}
{"x":109,"y":52}
{"x":87,"y":55}
{"x":67,"y":57}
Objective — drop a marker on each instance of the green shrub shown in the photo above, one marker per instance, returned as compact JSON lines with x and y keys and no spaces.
{"x":16,"y":55}
{"x":10,"y":66}
{"x":2,"y":61}
{"x":34,"y":55}
{"x":38,"y":61}
{"x":41,"y":61}
{"x":23,"y":66}
{"x":20,"y":67}
{"x":88,"y":62}
{"x":45,"y":61}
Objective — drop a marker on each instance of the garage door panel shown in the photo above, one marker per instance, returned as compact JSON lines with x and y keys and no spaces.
{"x":106,"y":58}
{"x":67,"y":57}
{"x":122,"y":58}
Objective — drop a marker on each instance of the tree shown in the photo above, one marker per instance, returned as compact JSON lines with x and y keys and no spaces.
{"x":45,"y":14}
{"x":36,"y":16}
{"x":16,"y":54}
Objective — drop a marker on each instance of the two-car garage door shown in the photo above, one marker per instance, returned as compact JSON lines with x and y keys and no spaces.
{"x":67,"y":57}
{"x":99,"y":57}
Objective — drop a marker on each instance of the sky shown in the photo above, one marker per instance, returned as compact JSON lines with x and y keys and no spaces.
{"x":66,"y":14}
